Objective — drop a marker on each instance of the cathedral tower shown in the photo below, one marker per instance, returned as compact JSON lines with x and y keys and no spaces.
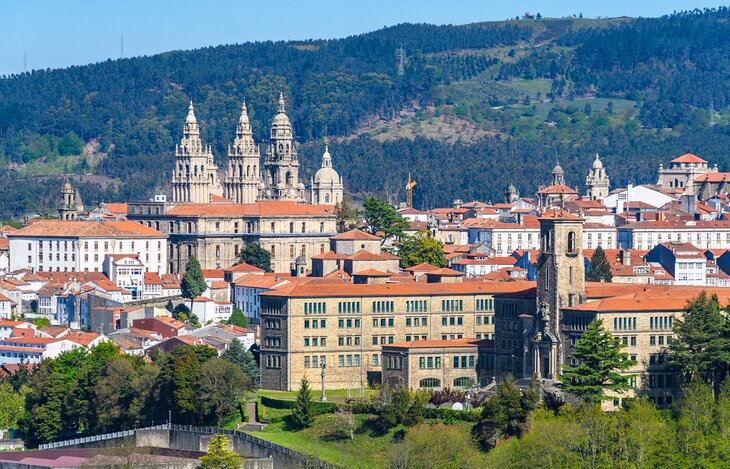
{"x":242,"y":176}
{"x":558,"y":176}
{"x":597,"y":182}
{"x":280,"y":174}
{"x":195,"y":177}
{"x":511,"y":194}
{"x":560,"y":283}
{"x":327,"y":188}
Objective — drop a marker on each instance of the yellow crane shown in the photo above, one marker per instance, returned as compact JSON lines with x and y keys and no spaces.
{"x":409,"y":191}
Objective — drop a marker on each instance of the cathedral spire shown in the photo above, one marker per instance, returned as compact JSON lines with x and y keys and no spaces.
{"x":282,"y":104}
{"x":326,"y":157}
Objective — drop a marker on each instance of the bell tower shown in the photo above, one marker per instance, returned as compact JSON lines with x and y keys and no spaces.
{"x":242,"y":174}
{"x":560,"y":283}
{"x":597,"y":182}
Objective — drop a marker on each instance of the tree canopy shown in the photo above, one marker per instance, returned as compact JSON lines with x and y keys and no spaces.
{"x":600,"y":362}
{"x":422,"y":247}
{"x":253,"y":254}
{"x":193,"y":283}
{"x":382,"y":219}
{"x":600,"y":270}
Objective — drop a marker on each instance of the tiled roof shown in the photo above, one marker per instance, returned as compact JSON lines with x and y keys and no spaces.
{"x":713,"y":177}
{"x":556,"y":213}
{"x":170,"y":321}
{"x":329,"y":255}
{"x":266,"y":281}
{"x":213,"y":273}
{"x":88,"y":229}
{"x":371,"y":273}
{"x":218,"y":285}
{"x":688,"y":158}
{"x":557,"y":189}
{"x":355,"y":235}
{"x":674,"y":225}
{"x":117,"y":208}
{"x":243,"y":267}
{"x":422,"y":267}
{"x":399,"y":289}
{"x":259,"y":208}
{"x":82,"y":338}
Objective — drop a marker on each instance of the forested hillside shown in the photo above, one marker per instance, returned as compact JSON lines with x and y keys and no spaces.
{"x":475,"y":107}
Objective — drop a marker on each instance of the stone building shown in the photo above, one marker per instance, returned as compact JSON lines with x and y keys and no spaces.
{"x":326,"y":186}
{"x":216,"y":232}
{"x":557,"y":192}
{"x":682,"y":171}
{"x":347,"y":325}
{"x":597,"y":182}
{"x":437,"y":364}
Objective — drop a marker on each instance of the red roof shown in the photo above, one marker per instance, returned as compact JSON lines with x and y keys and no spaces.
{"x":557,"y":189}
{"x":243,"y":267}
{"x":355,"y":235}
{"x":371,"y":273}
{"x":118,"y":208}
{"x":688,"y":158}
{"x":88,"y":229}
{"x":258,"y":208}
{"x":422,"y":267}
{"x":713,"y":177}
{"x":556,"y":213}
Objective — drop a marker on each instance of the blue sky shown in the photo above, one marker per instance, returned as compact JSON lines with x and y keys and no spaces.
{"x":59,"y":33}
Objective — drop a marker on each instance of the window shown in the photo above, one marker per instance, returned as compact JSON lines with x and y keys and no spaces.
{"x":429,"y":383}
{"x":572,"y":246}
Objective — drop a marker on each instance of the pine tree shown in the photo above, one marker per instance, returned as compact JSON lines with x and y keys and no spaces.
{"x":235,"y":353}
{"x":701,"y":347}
{"x":600,"y":360}
{"x":219,"y":455}
{"x":193,"y":283}
{"x":346,"y":215}
{"x":600,"y":267}
{"x":303,"y":414}
{"x":238,"y":318}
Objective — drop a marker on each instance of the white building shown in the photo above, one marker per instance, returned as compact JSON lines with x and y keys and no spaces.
{"x":127,"y":272}
{"x":618,"y":199}
{"x":81,"y":246}
{"x":246,"y":291}
{"x":208,"y":310}
{"x":703,"y":234}
{"x":598,"y":234}
{"x":686,"y":263}
{"x":504,"y":238}
{"x":33,"y":349}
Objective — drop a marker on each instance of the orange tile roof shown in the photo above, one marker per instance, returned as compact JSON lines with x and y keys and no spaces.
{"x":371,"y":273}
{"x":243,"y":267}
{"x":218,"y":285}
{"x":677,"y":224}
{"x":713,"y":177}
{"x":152,"y":278}
{"x":170,"y":321}
{"x":556,"y":213}
{"x":329,"y":255}
{"x":82,"y":338}
{"x":364,"y":255}
{"x":213,"y":273}
{"x":460,"y":343}
{"x":203,"y":299}
{"x":557,"y":189}
{"x":4,"y":244}
{"x":272,"y":208}
{"x":422,"y":267}
{"x":688,"y":158}
{"x":88,"y":229}
{"x":355,"y":235}
{"x":118,"y":208}
{"x":400,"y":289}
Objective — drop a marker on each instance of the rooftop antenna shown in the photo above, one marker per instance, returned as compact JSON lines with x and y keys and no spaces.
{"x":121,"y":46}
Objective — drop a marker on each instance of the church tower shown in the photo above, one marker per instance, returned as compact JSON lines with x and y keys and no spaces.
{"x":70,"y":205}
{"x":195,"y":177}
{"x":280,"y":174}
{"x":327,"y":187}
{"x":242,"y":176}
{"x":558,"y":175}
{"x":597,"y":182}
{"x":511,"y":194}
{"x":560,"y":283}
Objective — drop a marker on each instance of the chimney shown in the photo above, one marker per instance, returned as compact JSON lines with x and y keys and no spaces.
{"x":457,"y":203}
{"x":626,"y":257}
{"x":277,"y":278}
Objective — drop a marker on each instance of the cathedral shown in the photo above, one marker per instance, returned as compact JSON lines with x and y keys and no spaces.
{"x":597,"y":182}
{"x":247,"y":179}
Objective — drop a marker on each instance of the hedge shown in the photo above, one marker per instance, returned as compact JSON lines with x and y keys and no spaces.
{"x":451,"y":414}
{"x":319,"y":407}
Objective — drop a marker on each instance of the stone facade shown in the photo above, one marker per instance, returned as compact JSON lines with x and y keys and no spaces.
{"x":354,"y":323}
{"x":327,"y":187}
{"x":242,"y":176}
{"x":597,"y":182}
{"x":437,"y":364}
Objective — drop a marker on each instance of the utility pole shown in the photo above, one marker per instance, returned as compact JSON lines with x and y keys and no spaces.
{"x":323,"y":398}
{"x":121,"y":46}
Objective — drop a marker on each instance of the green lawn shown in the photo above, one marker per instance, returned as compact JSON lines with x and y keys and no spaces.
{"x":365,"y":450}
{"x":335,"y":394}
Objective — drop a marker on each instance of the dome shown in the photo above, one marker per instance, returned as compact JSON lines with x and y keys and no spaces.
{"x":558,"y":169}
{"x":281,"y":119}
{"x":597,"y":163}
{"x":511,"y":187}
{"x":326,"y":176}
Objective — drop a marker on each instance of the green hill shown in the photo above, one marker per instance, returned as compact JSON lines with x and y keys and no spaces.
{"x":476,"y":106}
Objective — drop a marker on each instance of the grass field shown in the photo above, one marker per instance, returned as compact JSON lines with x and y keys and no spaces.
{"x":365,"y":450}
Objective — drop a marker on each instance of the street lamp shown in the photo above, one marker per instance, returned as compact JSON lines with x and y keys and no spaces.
{"x":323,"y":398}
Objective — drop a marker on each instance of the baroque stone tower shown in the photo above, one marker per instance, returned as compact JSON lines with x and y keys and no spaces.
{"x":70,"y":204}
{"x":560,"y":283}
{"x":326,"y":185}
{"x":597,"y":182}
{"x":558,"y":176}
{"x":242,"y":176}
{"x":511,"y":194}
{"x":195,"y":177}
{"x":280,"y":174}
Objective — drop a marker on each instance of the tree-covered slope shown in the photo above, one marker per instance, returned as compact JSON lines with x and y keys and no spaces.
{"x":477,"y":106}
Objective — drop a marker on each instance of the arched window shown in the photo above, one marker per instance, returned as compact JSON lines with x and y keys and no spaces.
{"x":430,"y":383}
{"x":572,"y":247}
{"x":289,"y":179}
{"x":463,"y":382}
{"x":187,"y":169}
{"x":195,"y":169}
{"x":546,"y":241}
{"x":326,"y":198}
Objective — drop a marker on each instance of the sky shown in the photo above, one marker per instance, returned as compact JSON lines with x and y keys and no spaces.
{"x":37,"y":34}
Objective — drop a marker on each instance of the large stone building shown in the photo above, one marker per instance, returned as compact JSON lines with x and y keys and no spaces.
{"x":242,"y":176}
{"x":682,"y":171}
{"x":327,"y":187}
{"x":216,"y":232}
{"x":347,"y":325}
